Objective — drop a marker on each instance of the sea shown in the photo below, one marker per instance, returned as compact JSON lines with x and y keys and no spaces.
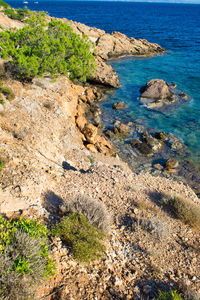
{"x":176,"y":27}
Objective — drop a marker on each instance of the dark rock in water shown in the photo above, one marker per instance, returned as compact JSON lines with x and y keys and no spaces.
{"x":184,"y":96}
{"x":122,"y":129}
{"x":175,"y":143}
{"x":143,"y":148}
{"x":171,"y":163}
{"x":119,"y":105}
{"x":109,"y":133}
{"x":172,"y":85}
{"x":133,"y":142}
{"x":161,"y":136}
{"x":156,"y":89}
{"x":152,"y":142}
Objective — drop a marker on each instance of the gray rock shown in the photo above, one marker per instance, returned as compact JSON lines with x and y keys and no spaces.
{"x":156,"y":89}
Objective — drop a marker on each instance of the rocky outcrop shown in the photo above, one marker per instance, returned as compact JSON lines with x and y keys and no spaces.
{"x":114,"y":45}
{"x":156,"y":89}
{"x":156,"y":93}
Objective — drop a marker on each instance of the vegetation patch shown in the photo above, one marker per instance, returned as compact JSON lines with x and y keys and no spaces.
{"x":95,"y":212}
{"x":184,"y":209}
{"x":171,"y":295}
{"x":1,"y":165}
{"x":17,"y":14}
{"x":4,"y":4}
{"x":7,"y":92}
{"x":24,"y":258}
{"x":83,"y":239}
{"x":47,"y":48}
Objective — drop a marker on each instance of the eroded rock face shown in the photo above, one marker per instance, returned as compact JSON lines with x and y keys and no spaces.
{"x":105,"y":74}
{"x":156,"y":89}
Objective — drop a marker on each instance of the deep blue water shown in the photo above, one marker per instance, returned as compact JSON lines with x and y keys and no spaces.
{"x":176,"y":27}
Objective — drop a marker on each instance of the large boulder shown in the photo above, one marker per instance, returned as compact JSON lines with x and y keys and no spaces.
{"x":156,"y":89}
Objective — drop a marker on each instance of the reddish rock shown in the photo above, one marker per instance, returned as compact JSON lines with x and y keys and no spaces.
{"x":90,"y":132}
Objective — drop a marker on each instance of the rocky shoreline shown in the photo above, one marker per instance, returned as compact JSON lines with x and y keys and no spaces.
{"x":51,"y":152}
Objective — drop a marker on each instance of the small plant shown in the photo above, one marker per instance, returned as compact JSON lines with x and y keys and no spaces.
{"x":24,"y":257}
{"x":2,"y":101}
{"x":171,"y":295}
{"x":1,"y":165}
{"x":83,"y":239}
{"x":7,"y":92}
{"x":95,"y":212}
{"x":91,"y":159}
{"x":184,"y":209}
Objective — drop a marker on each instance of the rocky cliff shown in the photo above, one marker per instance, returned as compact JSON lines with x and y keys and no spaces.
{"x":43,"y":133}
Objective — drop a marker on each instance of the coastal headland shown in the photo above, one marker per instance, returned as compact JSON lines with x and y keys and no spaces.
{"x":52,"y":152}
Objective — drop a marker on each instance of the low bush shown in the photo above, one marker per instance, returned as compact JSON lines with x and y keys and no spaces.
{"x":24,"y":258}
{"x":17,"y":14}
{"x":51,"y":49}
{"x":172,"y":295}
{"x":95,"y":212}
{"x":82,"y":238}
{"x":184,"y":209}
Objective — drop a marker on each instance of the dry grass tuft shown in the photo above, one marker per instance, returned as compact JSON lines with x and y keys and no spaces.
{"x":95,"y":212}
{"x":184,"y":209}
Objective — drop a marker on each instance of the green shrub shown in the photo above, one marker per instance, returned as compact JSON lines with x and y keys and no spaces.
{"x":95,"y":212}
{"x":4,"y":4}
{"x":183,"y":209}
{"x":53,"y":49}
{"x":2,"y":101}
{"x":24,"y":257}
{"x":172,"y":295}
{"x":17,"y":14}
{"x":83,"y":239}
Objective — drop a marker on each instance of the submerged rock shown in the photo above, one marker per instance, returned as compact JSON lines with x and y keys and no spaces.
{"x":122,"y":129}
{"x":143,"y":147}
{"x":161,"y":136}
{"x":171,"y":163}
{"x":119,"y":105}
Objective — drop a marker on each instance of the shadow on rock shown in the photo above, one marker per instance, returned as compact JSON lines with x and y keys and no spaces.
{"x":52,"y":202}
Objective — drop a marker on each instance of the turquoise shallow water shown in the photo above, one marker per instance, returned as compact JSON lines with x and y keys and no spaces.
{"x":183,"y":119}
